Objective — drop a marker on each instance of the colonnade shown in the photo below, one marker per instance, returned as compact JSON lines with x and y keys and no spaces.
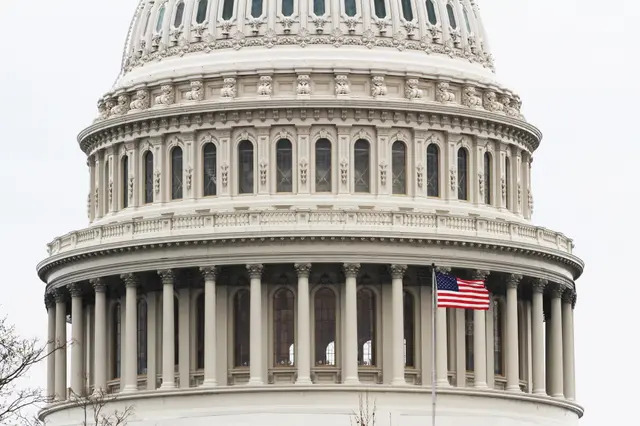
{"x":552,"y":367}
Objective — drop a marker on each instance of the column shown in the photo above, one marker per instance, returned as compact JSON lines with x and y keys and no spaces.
{"x":568,"y":300}
{"x":350,"y":344}
{"x":442,"y":372}
{"x":100,"y":336}
{"x":51,"y":346}
{"x":168,"y":330}
{"x":130,"y":332}
{"x":255,"y":332}
{"x":397,"y":314}
{"x":556,"y":373}
{"x":513,"y":371}
{"x":77,"y":318}
{"x":209,"y":274}
{"x":537,"y":336}
{"x":61,"y":345}
{"x":480,"y":341}
{"x":303,"y":356}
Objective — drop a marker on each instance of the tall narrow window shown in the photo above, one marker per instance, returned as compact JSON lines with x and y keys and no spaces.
{"x":366,"y":308}
{"x":287,"y":7}
{"x":452,"y":16}
{"x":148,"y":177}
{"x":160,"y":20}
{"x":325,"y":327}
{"x":146,"y":23}
{"x":409,"y":330}
{"x":319,"y":7}
{"x":468,"y":339}
{"x":142,"y":337}
{"x":117,"y":341}
{"x":283,"y":328}
{"x":380,"y":8}
{"x":488,"y":187}
{"x":431,"y":12}
{"x":227,"y":9}
{"x":507,"y":181}
{"x":176,"y":332}
{"x":176,"y":173}
{"x":399,"y":167}
{"x":177,"y":19}
{"x":256,"y":8}
{"x":498,"y":364}
{"x":245,"y":167}
{"x":203,"y":8}
{"x":350,"y":7}
{"x":323,"y":165}
{"x":463,"y":183}
{"x":466,"y":20}
{"x":200,"y":332}
{"x":361,"y":166}
{"x":125,"y":181}
{"x":433,"y":170}
{"x":407,"y":10}
{"x":210,"y":166}
{"x":284,"y":166}
{"x":241,"y":340}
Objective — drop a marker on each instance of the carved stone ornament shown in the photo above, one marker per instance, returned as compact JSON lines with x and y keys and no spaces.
{"x":304,"y":165}
{"x":480,"y":274}
{"x":481,"y":184}
{"x":209,"y":273}
{"x":110,"y":192}
{"x":229,"y":88}
{"x":131,"y":185}
{"x":319,"y":22}
{"x":255,"y":24}
{"x":265,"y":88}
{"x":519,"y":194}
{"x":303,"y":269}
{"x":130,"y":280}
{"x":96,"y":197}
{"x":189,"y":175}
{"x":344,"y":171}
{"x":167,"y":276}
{"x":383,"y":173}
{"x":99,"y":284}
{"x":103,"y":112}
{"x":167,"y":96}
{"x":342,"y":85}
{"x":304,"y":85}
{"x":470,"y":98}
{"x":351,"y":269}
{"x":420,"y":174}
{"x":530,"y":200}
{"x":508,"y":108}
{"x":556,"y":290}
{"x":453,"y":179}
{"x":122,"y":107}
{"x":539,"y":284}
{"x":255,"y":270}
{"x":397,"y":271}
{"x":444,"y":93}
{"x":156,"y":181}
{"x":224,"y":168}
{"x":263,"y":172}
{"x":140,"y":101}
{"x":513,"y":280}
{"x":490,"y":102}
{"x":75,"y":290}
{"x":412,"y":91}
{"x":378,"y":86}
{"x":197,"y":91}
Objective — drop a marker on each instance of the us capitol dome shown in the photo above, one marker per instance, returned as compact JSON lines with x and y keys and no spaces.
{"x":270,"y":184}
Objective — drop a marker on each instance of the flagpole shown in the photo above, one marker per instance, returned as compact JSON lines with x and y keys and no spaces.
{"x":434,"y":303}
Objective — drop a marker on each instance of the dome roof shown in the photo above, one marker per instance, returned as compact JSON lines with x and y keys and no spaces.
{"x":173,"y":39}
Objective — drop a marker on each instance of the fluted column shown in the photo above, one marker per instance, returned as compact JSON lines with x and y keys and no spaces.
{"x":100,"y":336}
{"x":209,"y":274}
{"x":557,"y":386}
{"x":537,"y":337}
{"x":442,"y":372}
{"x":480,"y":341}
{"x":51,"y":346}
{"x":255,"y":328}
{"x":61,"y":345}
{"x":513,"y":370}
{"x":168,"y":330}
{"x":568,"y":300}
{"x":350,"y":345}
{"x":77,"y":318}
{"x":303,"y":355}
{"x":130,"y":332}
{"x":397,"y":321}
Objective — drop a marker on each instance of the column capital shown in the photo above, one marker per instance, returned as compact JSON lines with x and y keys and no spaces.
{"x":443,"y":269}
{"x":568,"y":295}
{"x":303,"y":269}
{"x":397,"y":271}
{"x":539,"y":284}
{"x":167,"y":276}
{"x":556,"y":290}
{"x":130,"y":280}
{"x":75,"y":289}
{"x":99,"y":284}
{"x":351,"y":269}
{"x":513,"y":280}
{"x":480,"y":274}
{"x":575,"y":299}
{"x":209,"y":272}
{"x":59,"y":295}
{"x":49,"y":300}
{"x":255,"y":270}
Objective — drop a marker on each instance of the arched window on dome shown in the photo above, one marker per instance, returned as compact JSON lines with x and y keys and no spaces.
{"x":407,"y":10}
{"x":452,"y":16}
{"x":160,"y":20}
{"x":147,"y":19}
{"x":283,"y":328}
{"x":287,"y":7}
{"x":141,"y":328}
{"x":201,"y":13}
{"x":325,"y":327}
{"x":323,"y":165}
{"x":148,"y":177}
{"x":124,"y":181}
{"x":399,"y":168}
{"x":507,"y":181}
{"x":179,"y":15}
{"x":463,"y":174}
{"x":380,"y":8}
{"x":361,"y":166}
{"x":241,"y":341}
{"x":350,"y":8}
{"x":209,"y":170}
{"x":176,"y":173}
{"x":284,"y":166}
{"x":245,"y":167}
{"x":468,"y":340}
{"x":200,"y":332}
{"x":432,"y":16}
{"x":256,"y":8}
{"x":116,"y":345}
{"x":106,"y":177}
{"x":366,"y":311}
{"x":498,"y":334}
{"x":227,"y":9}
{"x":319,"y":7}
{"x":433,"y":170}
{"x":466,"y":20}
{"x":488,"y":178}
{"x":409,"y":330}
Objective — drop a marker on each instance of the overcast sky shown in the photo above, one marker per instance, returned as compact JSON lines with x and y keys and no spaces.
{"x":574,"y":63}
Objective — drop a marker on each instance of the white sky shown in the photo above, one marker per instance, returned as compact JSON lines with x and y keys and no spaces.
{"x":574,"y":62}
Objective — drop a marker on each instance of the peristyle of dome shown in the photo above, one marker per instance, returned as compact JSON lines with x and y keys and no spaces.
{"x":270,"y":184}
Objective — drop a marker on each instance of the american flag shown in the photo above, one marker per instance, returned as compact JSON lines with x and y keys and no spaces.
{"x":456,"y":293}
